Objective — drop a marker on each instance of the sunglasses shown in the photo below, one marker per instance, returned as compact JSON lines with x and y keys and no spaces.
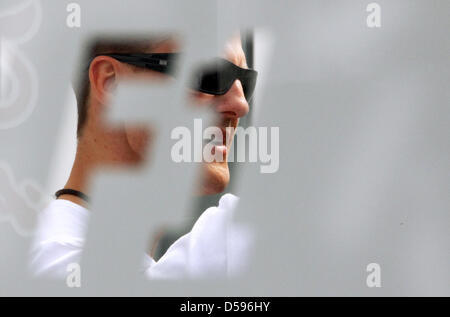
{"x":215,"y":77}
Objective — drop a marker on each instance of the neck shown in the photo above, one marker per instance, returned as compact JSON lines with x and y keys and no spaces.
{"x":80,"y":174}
{"x":95,"y":149}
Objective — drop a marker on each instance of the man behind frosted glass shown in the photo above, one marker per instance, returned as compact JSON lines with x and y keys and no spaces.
{"x":203,"y":252}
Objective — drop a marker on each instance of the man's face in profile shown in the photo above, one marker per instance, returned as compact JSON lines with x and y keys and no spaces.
{"x":230,"y":107}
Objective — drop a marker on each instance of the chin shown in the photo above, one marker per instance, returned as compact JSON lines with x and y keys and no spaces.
{"x":216,"y":177}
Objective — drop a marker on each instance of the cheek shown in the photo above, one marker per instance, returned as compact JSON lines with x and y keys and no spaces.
{"x":200,"y":99}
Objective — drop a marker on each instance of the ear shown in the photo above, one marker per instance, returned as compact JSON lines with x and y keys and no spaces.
{"x":103,"y":75}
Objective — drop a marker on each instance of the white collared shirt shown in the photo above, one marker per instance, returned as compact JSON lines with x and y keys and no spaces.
{"x":215,"y":247}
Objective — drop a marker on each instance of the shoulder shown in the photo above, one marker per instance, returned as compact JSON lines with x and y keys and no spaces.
{"x":62,"y":221}
{"x":59,"y":238}
{"x":202,"y":251}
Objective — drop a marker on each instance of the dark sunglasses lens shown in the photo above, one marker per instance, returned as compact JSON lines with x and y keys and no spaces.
{"x":248,"y":85}
{"x":214,"y":79}
{"x":209,"y":82}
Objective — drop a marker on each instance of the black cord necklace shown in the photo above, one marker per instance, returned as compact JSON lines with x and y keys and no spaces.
{"x":73,"y":192}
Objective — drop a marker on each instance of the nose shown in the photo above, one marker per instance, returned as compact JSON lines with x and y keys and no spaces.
{"x":233,"y":104}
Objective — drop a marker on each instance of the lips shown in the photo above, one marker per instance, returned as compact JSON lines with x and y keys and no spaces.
{"x":227,"y":123}
{"x":223,"y":129}
{"x":224,"y":136}
{"x":221,"y":146}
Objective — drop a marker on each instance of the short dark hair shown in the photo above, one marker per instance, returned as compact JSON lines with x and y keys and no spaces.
{"x":106,"y":46}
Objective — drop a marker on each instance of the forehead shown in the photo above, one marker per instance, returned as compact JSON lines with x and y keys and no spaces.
{"x":234,"y":52}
